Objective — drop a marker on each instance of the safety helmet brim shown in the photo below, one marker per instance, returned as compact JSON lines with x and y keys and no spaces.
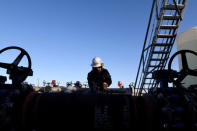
{"x":96,"y":65}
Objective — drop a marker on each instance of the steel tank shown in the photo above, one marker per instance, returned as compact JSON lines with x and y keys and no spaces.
{"x":187,"y":40}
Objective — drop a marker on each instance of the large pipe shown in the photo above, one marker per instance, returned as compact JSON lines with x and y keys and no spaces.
{"x":87,"y":111}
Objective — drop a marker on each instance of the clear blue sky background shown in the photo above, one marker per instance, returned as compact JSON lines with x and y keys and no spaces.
{"x":62,"y":36}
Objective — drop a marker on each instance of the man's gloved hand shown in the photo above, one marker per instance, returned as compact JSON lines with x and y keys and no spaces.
{"x":105,"y":85}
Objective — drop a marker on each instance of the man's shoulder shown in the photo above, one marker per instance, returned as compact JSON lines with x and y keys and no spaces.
{"x":105,"y":69}
{"x":90,"y":73}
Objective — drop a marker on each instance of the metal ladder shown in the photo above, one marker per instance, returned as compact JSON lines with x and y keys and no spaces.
{"x":160,"y":37}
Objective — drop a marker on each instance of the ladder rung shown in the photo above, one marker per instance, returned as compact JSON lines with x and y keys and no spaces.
{"x":149,"y":83}
{"x":171,"y":17}
{"x":162,"y":44}
{"x":154,"y":66}
{"x":160,"y":52}
{"x":168,"y":27}
{"x":173,"y":7}
{"x":148,"y":72}
{"x":165,"y":36}
{"x":154,"y":59}
{"x":149,"y":78}
{"x":146,"y":88}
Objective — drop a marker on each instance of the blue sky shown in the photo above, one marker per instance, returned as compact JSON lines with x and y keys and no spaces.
{"x":62,"y":36}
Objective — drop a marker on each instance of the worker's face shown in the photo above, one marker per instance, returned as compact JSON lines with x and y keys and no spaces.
{"x":99,"y":69}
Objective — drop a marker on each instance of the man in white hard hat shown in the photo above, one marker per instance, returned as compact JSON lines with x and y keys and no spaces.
{"x":98,"y":77}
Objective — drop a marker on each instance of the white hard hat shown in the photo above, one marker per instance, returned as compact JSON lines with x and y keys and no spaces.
{"x":97,"y":62}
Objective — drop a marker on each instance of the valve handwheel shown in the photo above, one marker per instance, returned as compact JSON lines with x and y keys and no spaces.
{"x":185,"y":71}
{"x":17,"y":73}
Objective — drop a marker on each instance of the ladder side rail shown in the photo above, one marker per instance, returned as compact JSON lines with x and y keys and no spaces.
{"x":150,"y":40}
{"x":140,"y":81}
{"x":140,"y":85}
{"x":167,"y":48}
{"x":178,"y":22}
{"x":147,"y":32}
{"x":163,"y":56}
{"x":152,"y":48}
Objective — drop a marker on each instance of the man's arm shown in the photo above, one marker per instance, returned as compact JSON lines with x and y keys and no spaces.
{"x":90,"y":80}
{"x":108,"y":78}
